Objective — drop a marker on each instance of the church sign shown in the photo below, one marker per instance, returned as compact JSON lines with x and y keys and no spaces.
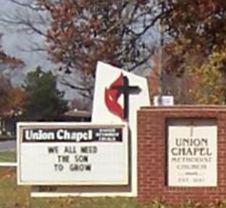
{"x":72,"y":154}
{"x":192,"y":153}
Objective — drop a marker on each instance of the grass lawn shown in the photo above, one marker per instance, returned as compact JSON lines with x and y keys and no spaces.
{"x":8,"y":156}
{"x":13,"y":196}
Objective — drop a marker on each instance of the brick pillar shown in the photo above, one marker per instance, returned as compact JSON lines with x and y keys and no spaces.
{"x":152,"y":154}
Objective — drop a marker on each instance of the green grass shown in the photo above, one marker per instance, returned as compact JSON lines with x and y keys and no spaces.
{"x":13,"y":196}
{"x":8,"y":156}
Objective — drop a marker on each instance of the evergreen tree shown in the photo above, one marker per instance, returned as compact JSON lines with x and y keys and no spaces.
{"x":45,"y":101}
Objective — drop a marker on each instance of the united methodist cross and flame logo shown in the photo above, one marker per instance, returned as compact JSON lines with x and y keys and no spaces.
{"x":119,"y":87}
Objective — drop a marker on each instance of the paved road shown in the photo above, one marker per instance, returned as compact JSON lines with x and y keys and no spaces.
{"x":7,"y":145}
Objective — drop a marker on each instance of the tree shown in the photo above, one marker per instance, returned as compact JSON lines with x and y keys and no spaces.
{"x":81,"y":32}
{"x":12,"y":99}
{"x":203,"y":29}
{"x":5,"y":86}
{"x":194,"y":39}
{"x":211,"y":87}
{"x":44,"y":100}
{"x":17,"y":100}
{"x":8,"y":64}
{"x":163,"y":77}
{"x":111,"y":31}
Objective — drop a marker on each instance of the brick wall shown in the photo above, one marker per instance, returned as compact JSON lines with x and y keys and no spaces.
{"x":152,"y":153}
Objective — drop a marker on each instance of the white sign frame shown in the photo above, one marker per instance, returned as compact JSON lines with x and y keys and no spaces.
{"x":72,"y":125}
{"x":101,"y":113}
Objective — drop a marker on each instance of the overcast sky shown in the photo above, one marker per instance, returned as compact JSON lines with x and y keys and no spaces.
{"x":14,"y":42}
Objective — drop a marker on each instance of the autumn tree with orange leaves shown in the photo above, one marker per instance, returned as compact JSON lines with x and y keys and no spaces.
{"x":195,"y":31}
{"x":85,"y":31}
{"x":12,"y":99}
{"x":81,"y":32}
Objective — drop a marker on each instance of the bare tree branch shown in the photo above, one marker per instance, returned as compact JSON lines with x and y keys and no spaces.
{"x":28,"y":5}
{"x":72,"y":86}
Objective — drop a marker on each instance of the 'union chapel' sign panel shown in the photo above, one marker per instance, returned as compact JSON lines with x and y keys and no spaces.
{"x":72,"y":154}
{"x":192,"y":153}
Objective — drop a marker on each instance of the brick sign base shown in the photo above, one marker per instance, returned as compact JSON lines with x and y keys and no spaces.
{"x":152,"y":155}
